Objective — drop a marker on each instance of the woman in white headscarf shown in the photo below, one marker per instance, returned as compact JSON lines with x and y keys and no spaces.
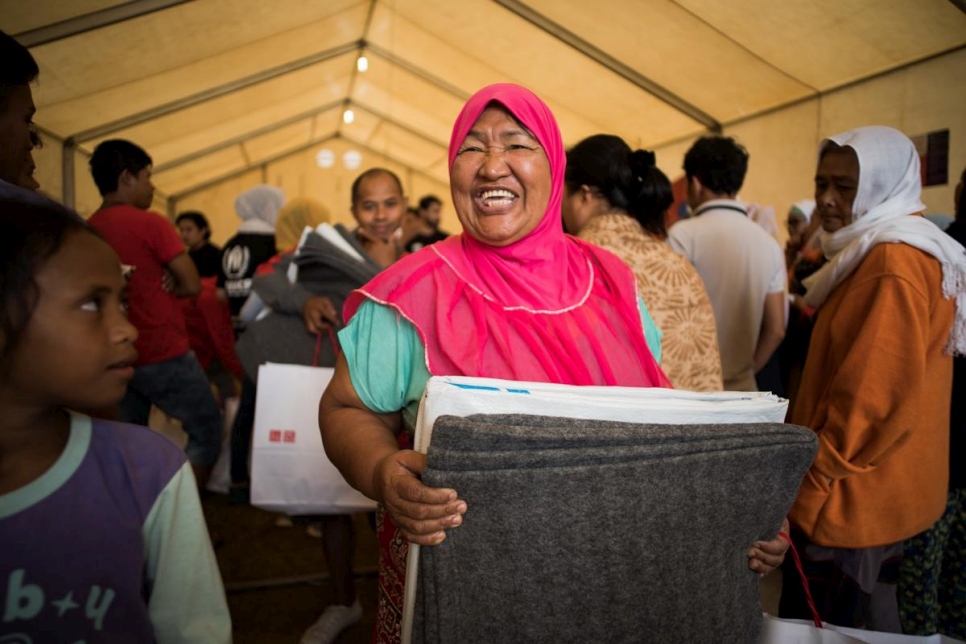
{"x":876,"y":388}
{"x":799,"y":225}
{"x":253,"y":244}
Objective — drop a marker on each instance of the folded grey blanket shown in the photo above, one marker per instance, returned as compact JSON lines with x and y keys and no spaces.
{"x":594,"y":531}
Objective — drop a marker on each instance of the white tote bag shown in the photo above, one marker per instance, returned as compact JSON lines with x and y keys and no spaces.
{"x":290,"y":471}
{"x":794,"y":631}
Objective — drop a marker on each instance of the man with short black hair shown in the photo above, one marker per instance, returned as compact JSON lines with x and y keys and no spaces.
{"x":425,"y":224}
{"x":742,"y":266}
{"x":166,"y":373}
{"x":17,"y":137}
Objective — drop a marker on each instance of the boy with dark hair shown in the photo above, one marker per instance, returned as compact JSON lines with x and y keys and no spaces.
{"x":166,"y":374}
{"x":742,"y":266}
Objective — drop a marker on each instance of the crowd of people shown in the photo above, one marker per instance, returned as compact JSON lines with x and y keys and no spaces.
{"x":860,"y":321}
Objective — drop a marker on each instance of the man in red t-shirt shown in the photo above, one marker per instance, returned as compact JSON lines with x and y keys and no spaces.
{"x":166,"y":373}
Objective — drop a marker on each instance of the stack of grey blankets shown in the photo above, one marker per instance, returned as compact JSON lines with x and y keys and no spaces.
{"x":599,"y":531}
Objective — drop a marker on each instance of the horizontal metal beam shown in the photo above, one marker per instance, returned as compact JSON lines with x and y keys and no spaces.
{"x":247,"y":136}
{"x":91,"y":21}
{"x":268,"y":129}
{"x":368,"y":148}
{"x":417,"y":71}
{"x":395,"y":123}
{"x":278,"y":157}
{"x":609,"y":62}
{"x":214,"y":92}
{"x":249,"y":167}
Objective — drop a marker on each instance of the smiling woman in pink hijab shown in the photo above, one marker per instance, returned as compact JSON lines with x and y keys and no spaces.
{"x":512,"y":297}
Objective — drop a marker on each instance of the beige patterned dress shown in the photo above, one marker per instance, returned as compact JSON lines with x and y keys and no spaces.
{"x":675,"y":296}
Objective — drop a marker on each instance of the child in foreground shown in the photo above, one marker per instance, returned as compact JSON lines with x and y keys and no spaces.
{"x":101,"y":531}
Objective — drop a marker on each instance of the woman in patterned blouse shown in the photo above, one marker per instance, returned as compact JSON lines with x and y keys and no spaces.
{"x":616,"y":198}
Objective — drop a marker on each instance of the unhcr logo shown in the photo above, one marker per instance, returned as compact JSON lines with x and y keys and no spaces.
{"x":235,"y":262}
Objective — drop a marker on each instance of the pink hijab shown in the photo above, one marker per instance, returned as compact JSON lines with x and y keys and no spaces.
{"x":547,"y":308}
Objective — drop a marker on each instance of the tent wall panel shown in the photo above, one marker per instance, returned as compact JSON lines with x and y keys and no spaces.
{"x":781,"y":169}
{"x":917,"y":100}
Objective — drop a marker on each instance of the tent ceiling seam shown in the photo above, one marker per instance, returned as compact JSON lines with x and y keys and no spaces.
{"x":391,"y":158}
{"x":214,"y":92}
{"x":843,"y":86}
{"x":610,"y":63}
{"x":755,"y":55}
{"x":178,"y":196}
{"x":92,"y":21}
{"x":272,"y":127}
{"x":395,"y":123}
{"x":187,"y":192}
{"x":416,"y":70}
{"x":247,"y":136}
{"x":354,"y":73}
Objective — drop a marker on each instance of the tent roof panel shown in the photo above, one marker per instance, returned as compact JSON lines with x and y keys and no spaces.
{"x":206,"y":83}
{"x":182,"y":35}
{"x":522,"y":53}
{"x":681,"y":53}
{"x":89,"y":109}
{"x":20,"y":16}
{"x":828,"y":44}
{"x":274,"y":143}
{"x":246,"y":109}
{"x":199,"y":171}
{"x":400,"y":144}
{"x":309,"y":108}
{"x":362,"y":127}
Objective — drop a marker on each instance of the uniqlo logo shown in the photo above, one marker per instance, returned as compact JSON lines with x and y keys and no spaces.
{"x":274,"y":436}
{"x":288,"y":436}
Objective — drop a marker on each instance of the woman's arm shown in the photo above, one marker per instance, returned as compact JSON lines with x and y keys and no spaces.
{"x":362,"y":444}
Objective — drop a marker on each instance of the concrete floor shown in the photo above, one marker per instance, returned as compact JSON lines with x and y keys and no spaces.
{"x":265,"y":569}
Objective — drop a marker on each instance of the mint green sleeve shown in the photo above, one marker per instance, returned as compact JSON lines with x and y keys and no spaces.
{"x":186,"y":599}
{"x":652,"y":334}
{"x":386,"y":358}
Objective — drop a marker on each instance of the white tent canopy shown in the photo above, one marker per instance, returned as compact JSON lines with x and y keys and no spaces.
{"x":228,"y":93}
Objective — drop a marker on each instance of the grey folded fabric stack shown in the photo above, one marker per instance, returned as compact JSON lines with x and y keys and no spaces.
{"x":595,"y":531}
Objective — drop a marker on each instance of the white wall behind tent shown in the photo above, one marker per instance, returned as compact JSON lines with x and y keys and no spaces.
{"x":227,"y":93}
